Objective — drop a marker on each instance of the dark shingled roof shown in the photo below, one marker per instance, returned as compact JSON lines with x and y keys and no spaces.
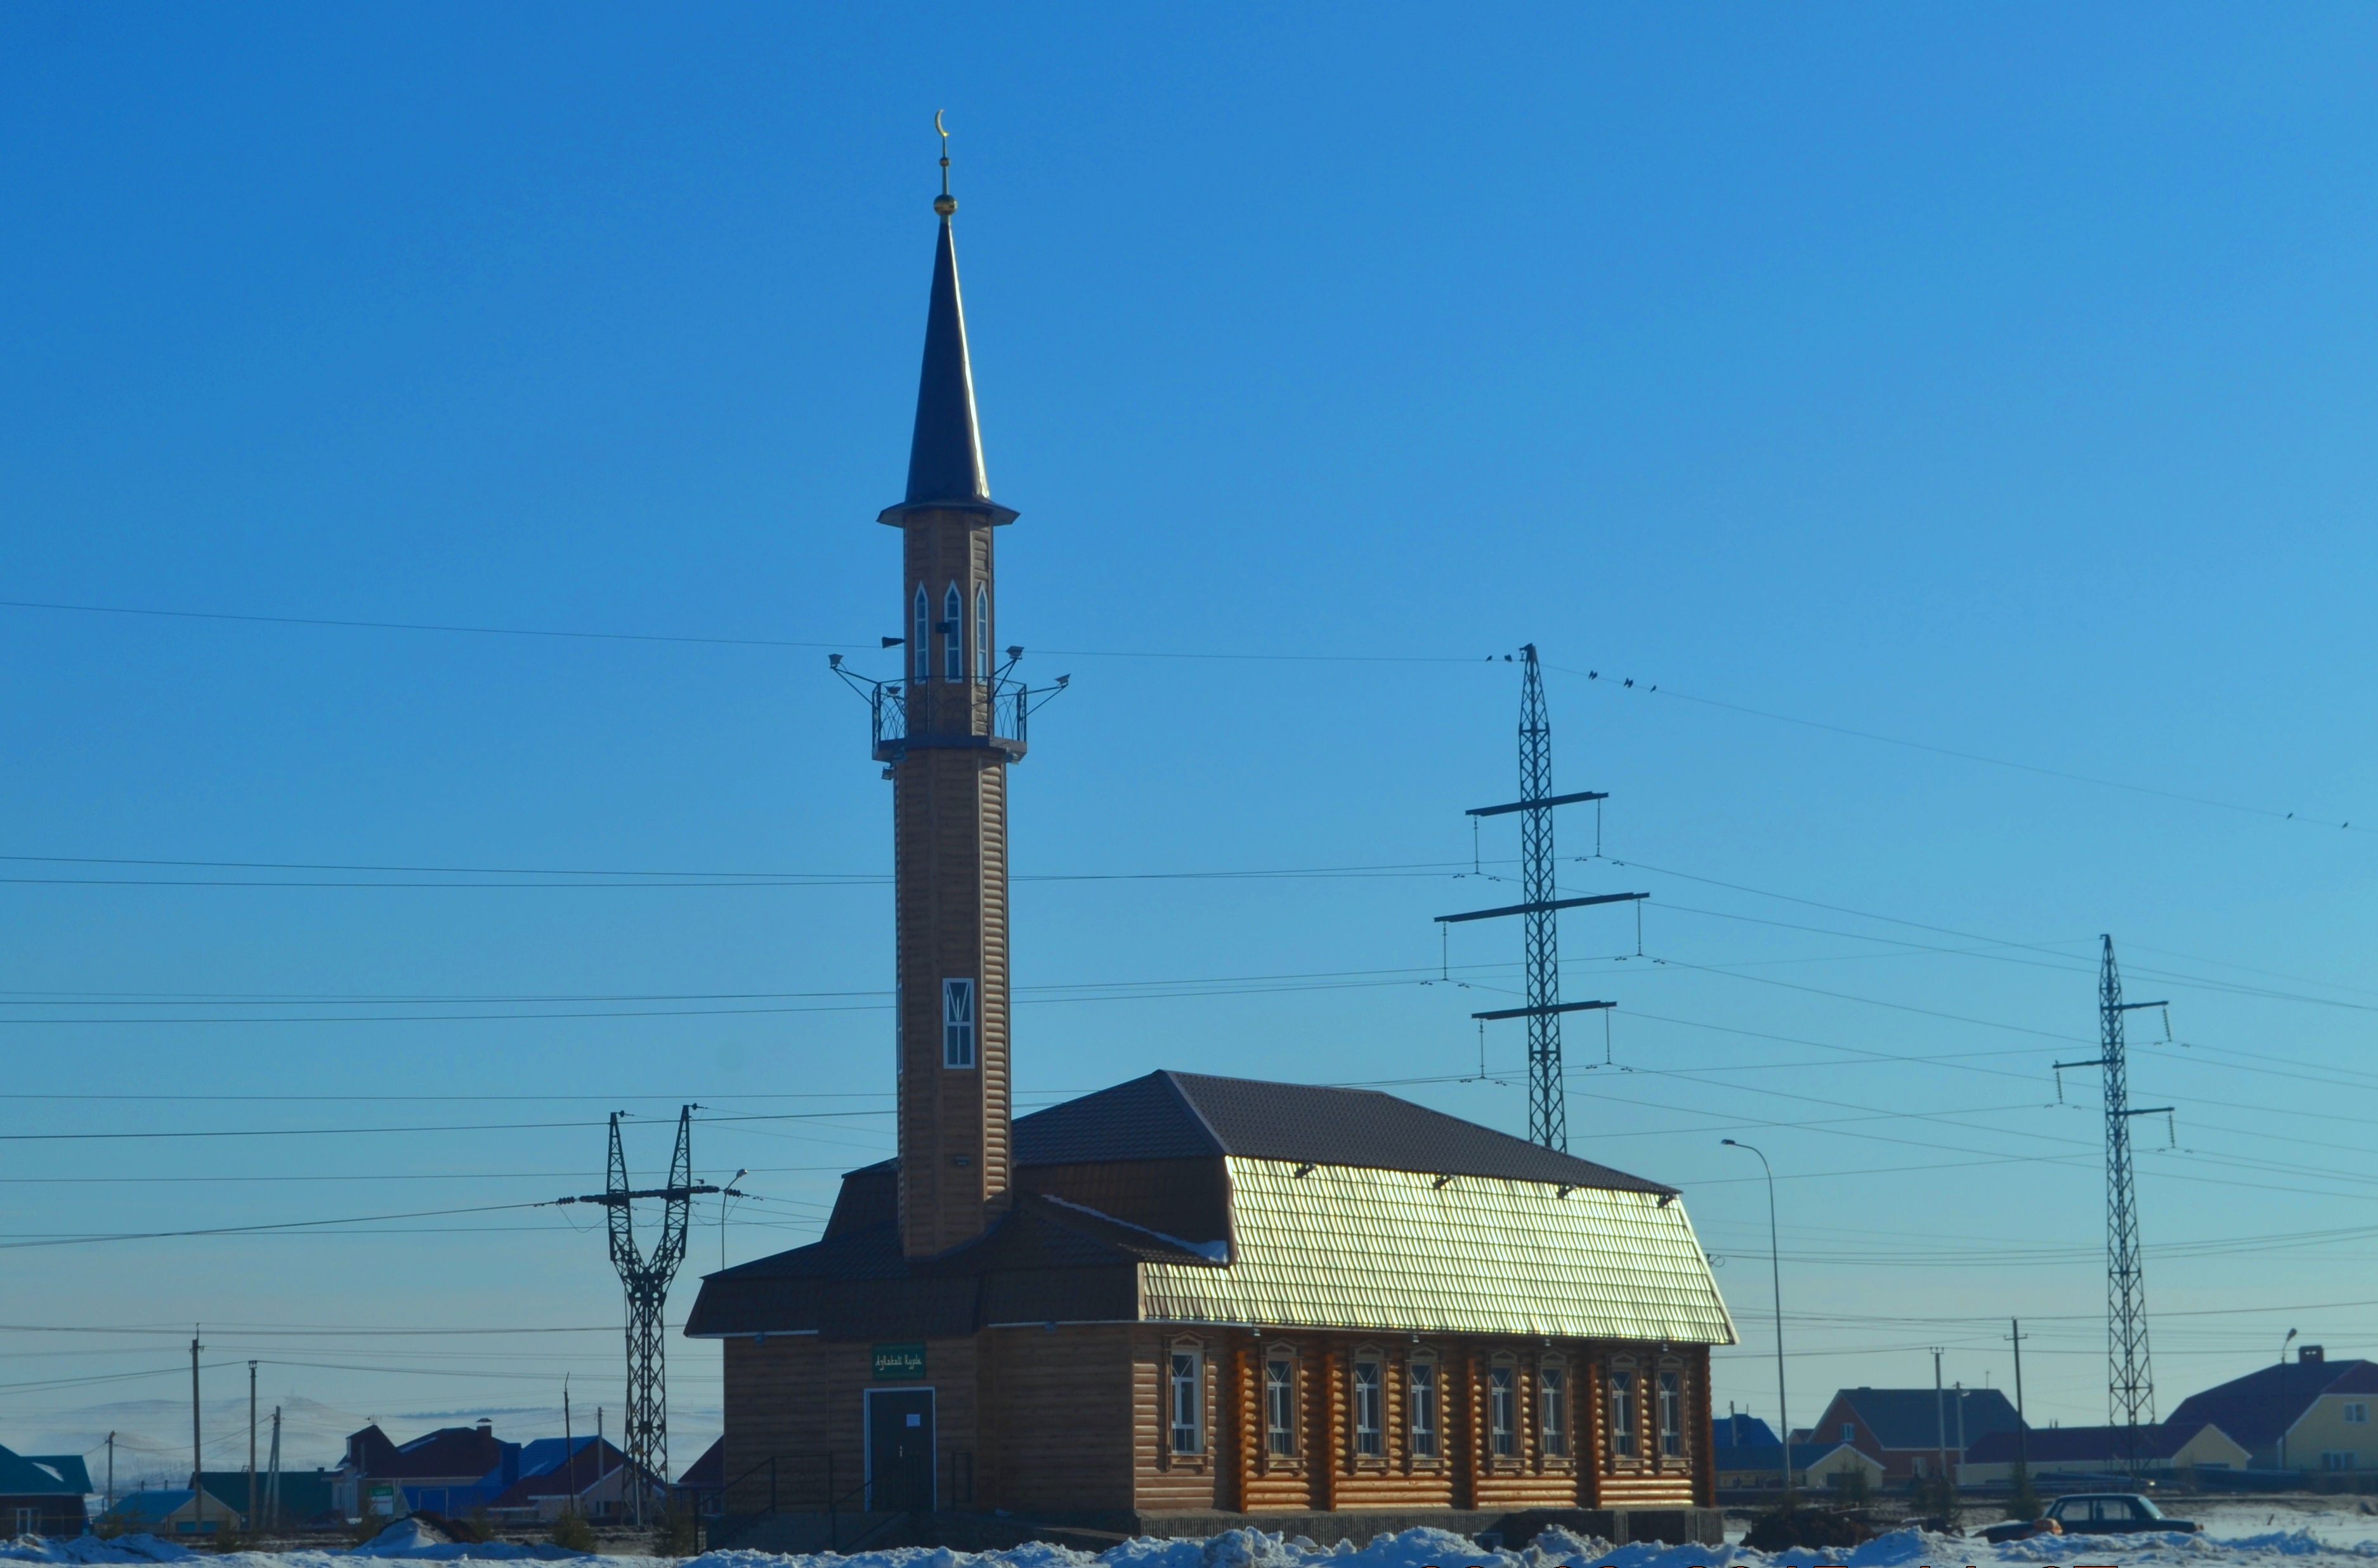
{"x":2255,"y":1408}
{"x":1189,"y":1114}
{"x":1913,"y":1418}
{"x":2105,"y":1447}
{"x":1045,"y":1259}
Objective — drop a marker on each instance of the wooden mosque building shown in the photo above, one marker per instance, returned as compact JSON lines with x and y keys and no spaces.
{"x":1186,"y":1301}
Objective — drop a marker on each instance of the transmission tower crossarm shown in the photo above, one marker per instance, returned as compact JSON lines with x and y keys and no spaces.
{"x":1542,"y":1011}
{"x":697,"y":1191}
{"x":1542,"y":907}
{"x":1537,"y":805}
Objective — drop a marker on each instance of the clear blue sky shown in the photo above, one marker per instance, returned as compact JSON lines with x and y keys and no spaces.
{"x":1995,"y":378}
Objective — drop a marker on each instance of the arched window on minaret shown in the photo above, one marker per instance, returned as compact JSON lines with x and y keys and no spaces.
{"x":982,"y":632}
{"x":922,"y":635}
{"x":954,"y":635}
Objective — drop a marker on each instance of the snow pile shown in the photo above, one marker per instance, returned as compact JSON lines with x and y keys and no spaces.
{"x":2302,"y":1547}
{"x":91,"y":1549}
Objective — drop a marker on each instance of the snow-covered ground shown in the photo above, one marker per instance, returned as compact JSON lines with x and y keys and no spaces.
{"x":2237,"y":1535}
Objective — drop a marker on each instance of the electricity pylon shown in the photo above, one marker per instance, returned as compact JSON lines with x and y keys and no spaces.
{"x":2129,"y":1375}
{"x":1547,"y":1089}
{"x":646,"y":1283}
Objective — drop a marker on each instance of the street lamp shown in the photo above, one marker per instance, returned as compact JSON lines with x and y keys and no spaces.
{"x":1775,"y":1265}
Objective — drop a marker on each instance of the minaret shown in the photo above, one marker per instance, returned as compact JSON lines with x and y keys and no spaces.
{"x":948,"y":767}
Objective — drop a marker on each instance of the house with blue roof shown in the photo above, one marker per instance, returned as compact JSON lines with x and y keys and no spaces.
{"x":171,"y":1510}
{"x":41,"y":1494}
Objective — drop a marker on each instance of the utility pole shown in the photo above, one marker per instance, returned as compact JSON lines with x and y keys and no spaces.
{"x":2021,"y":1446}
{"x":1775,"y":1269}
{"x":110,"y":1473}
{"x":250,"y":1499}
{"x":1940,"y":1413}
{"x":645,"y":1282}
{"x":2130,"y":1377}
{"x":273,"y":1480}
{"x":1547,"y":1090}
{"x":198,"y":1452}
{"x":569,"y":1449}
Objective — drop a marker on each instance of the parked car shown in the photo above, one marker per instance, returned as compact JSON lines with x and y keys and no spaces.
{"x":2098,"y":1514}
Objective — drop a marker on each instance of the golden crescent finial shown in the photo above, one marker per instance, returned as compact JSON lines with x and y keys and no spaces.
{"x":947,"y":204}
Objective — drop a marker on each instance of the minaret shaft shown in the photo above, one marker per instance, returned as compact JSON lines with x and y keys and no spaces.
{"x":950,"y":855}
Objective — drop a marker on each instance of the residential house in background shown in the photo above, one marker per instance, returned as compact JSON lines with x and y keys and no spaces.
{"x":2308,"y":1414}
{"x":172,"y":1511}
{"x":450,"y":1471}
{"x":1907,"y":1429}
{"x":2086,"y":1451}
{"x":702,"y":1489}
{"x":305,"y":1498}
{"x":1748,"y":1457}
{"x":587,"y":1474}
{"x":41,"y":1494}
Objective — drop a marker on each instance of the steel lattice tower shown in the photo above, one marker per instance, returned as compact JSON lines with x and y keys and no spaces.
{"x":1547,"y":1091}
{"x":646,"y":1283}
{"x":2130,"y":1375}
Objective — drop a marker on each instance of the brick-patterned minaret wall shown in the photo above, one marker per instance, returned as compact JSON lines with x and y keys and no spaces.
{"x":950,"y":853}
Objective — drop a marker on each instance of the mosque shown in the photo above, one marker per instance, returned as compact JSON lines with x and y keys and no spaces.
{"x":1185,"y":1303}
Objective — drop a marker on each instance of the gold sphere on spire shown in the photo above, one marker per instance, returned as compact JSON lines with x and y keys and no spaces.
{"x":945,"y":204}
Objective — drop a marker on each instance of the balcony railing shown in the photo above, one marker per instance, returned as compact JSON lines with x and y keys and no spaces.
{"x":993,"y":714}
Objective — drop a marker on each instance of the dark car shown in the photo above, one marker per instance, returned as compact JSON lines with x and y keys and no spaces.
{"x":2098,"y":1514}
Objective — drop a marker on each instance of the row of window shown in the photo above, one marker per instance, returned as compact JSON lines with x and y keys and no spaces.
{"x":952,"y":627}
{"x":1423,"y":1408}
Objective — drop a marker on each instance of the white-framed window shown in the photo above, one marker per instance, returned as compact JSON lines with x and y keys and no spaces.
{"x":952,"y":635}
{"x":1502,"y":1409}
{"x":2334,"y":1460}
{"x":2357,"y":1415}
{"x":982,"y":631}
{"x":1421,"y":1381}
{"x":1370,"y":1408}
{"x":1279,"y":1406}
{"x":29,"y":1521}
{"x":920,"y":636}
{"x":1551,"y":1415}
{"x":1188,"y":1402}
{"x":1849,"y":1432}
{"x":1672,"y":1415}
{"x":1622,"y":1412}
{"x":957,"y":1023}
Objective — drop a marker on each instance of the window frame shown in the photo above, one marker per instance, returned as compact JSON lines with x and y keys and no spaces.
{"x":1623,"y":1403}
{"x":1554,"y":1404}
{"x":2357,"y":1413}
{"x":1185,"y":1373}
{"x":921,"y":634}
{"x":953,"y":634}
{"x":1279,"y":1405}
{"x":1668,"y":1387}
{"x":1366,"y":1383}
{"x":982,"y":633}
{"x":961,"y":1024}
{"x":1503,"y":1408}
{"x":1424,"y":1407}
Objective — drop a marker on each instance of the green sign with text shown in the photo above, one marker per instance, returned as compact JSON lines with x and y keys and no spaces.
{"x":899,"y":1361}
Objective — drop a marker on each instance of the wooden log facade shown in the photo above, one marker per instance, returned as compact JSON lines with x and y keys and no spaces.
{"x":1084,"y":1419}
{"x":1185,"y":1296}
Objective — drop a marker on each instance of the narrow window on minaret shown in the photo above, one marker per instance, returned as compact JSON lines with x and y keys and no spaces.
{"x":981,"y":632}
{"x":921,"y":639}
{"x":953,"y":636}
{"x":957,"y":1023}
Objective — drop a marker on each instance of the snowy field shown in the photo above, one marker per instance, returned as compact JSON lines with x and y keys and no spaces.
{"x":2237,"y":1535}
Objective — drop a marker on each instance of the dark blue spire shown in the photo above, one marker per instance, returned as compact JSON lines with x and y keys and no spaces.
{"x":945,"y":456}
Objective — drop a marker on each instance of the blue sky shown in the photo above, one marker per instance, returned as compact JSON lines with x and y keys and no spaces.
{"x":1994,"y":379}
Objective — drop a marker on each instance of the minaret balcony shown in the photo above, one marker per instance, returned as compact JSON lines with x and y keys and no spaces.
{"x":950,"y":716}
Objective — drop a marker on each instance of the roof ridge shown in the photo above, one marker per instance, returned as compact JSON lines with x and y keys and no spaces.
{"x":1172,"y":1081}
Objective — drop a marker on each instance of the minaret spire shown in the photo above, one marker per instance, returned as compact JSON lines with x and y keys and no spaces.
{"x":945,"y":453}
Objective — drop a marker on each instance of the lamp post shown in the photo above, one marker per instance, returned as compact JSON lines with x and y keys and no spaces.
{"x":1775,"y":1265}
{"x":2280,"y":1441}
